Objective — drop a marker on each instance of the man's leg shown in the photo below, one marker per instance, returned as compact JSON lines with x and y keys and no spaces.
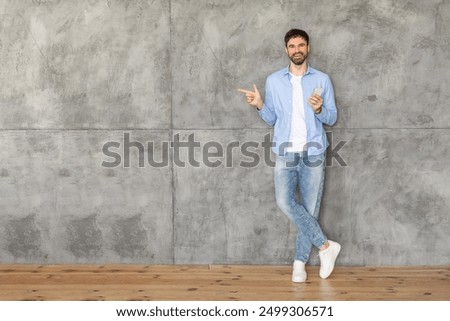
{"x":286,"y":175}
{"x":312,"y":174}
{"x":311,"y":180}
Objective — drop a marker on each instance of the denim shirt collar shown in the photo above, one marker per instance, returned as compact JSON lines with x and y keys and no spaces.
{"x":309,"y":70}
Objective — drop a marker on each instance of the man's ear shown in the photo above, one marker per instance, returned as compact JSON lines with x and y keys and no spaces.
{"x":285,"y":49}
{"x":309,"y":48}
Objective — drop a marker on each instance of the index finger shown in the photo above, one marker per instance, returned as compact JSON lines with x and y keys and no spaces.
{"x":245,"y":91}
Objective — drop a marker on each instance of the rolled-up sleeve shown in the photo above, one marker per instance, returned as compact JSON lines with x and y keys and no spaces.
{"x":267,"y":112}
{"x":328,"y":115}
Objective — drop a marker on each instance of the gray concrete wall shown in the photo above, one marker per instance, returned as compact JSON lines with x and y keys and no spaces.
{"x":78,"y":74}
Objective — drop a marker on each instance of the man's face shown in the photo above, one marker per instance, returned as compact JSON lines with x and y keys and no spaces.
{"x":297,"y":50}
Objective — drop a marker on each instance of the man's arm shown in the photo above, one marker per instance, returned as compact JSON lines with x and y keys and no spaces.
{"x":265,"y":110}
{"x":328,"y":112}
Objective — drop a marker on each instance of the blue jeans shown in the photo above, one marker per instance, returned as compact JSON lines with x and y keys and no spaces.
{"x":293,"y":171}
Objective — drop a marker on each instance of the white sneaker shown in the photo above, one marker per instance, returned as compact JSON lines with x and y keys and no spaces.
{"x":327,"y":259}
{"x":298,"y":273}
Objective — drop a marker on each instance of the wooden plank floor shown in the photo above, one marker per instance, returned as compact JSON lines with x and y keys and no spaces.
{"x":219,"y":282}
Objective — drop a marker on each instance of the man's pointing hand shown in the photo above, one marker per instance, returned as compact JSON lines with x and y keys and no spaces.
{"x":253,"y":97}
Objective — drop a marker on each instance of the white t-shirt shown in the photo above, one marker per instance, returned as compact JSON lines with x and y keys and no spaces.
{"x":297,"y":135}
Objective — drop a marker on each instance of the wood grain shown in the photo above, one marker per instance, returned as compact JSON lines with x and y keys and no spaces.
{"x":219,"y":282}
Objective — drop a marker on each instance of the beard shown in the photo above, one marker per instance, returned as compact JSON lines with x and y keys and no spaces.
{"x":298,"y":59}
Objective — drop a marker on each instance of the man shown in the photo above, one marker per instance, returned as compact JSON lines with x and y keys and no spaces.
{"x":299,"y":100}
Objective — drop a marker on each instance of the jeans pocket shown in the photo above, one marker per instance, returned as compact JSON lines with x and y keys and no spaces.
{"x":315,"y":160}
{"x":285,"y":161}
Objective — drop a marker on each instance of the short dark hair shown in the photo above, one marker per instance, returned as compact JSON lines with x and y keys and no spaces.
{"x":294,"y":33}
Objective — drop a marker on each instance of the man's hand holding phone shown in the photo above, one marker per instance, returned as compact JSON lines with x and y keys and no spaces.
{"x":316,"y":100}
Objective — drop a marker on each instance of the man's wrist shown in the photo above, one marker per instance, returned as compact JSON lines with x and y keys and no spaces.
{"x":260,"y":106}
{"x":318,"y":110}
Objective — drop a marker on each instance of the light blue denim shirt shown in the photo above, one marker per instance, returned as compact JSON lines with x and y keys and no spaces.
{"x":277,"y":109}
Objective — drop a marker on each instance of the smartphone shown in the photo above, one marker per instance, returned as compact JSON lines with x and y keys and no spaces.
{"x":318,"y":91}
